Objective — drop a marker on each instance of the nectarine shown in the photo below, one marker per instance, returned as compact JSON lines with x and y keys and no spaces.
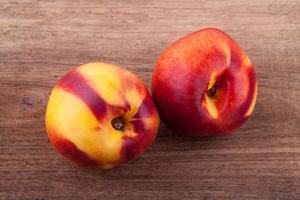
{"x":204,"y":84}
{"x":100,"y":115}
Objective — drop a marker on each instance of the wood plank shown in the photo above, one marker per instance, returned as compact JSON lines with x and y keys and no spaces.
{"x":41,"y":40}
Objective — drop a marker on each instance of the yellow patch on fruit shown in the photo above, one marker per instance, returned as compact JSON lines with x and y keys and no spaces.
{"x":211,"y":107}
{"x":212,"y":80}
{"x":102,"y":78}
{"x":210,"y":101}
{"x":100,"y":141}
{"x":252,"y":105}
{"x":135,"y":99}
{"x":246,"y":61}
{"x":227,"y":52}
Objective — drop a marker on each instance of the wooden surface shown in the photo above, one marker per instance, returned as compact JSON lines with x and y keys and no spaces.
{"x":42,"y":40}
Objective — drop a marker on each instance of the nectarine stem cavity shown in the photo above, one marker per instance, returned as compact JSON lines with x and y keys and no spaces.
{"x":211,"y":92}
{"x":118,"y":123}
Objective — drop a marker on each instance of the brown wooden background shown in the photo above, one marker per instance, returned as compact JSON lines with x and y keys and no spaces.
{"x":42,"y":40}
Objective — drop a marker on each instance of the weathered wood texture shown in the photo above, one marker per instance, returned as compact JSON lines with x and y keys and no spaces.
{"x":42,"y":40}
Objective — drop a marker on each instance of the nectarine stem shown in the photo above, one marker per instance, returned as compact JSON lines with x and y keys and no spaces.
{"x":211,"y":92}
{"x":118,"y":123}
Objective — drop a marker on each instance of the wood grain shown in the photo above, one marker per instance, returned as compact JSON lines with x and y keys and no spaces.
{"x":42,"y":40}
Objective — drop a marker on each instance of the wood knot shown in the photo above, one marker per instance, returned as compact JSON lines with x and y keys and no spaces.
{"x":26,"y":101}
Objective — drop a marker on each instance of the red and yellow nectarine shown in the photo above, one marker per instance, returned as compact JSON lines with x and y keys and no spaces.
{"x":204,"y":84}
{"x":100,"y":115}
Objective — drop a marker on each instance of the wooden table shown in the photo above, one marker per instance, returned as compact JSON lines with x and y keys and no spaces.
{"x":41,"y":40}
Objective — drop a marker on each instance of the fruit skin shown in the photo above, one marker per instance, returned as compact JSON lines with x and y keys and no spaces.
{"x":203,"y":61}
{"x":82,"y":106}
